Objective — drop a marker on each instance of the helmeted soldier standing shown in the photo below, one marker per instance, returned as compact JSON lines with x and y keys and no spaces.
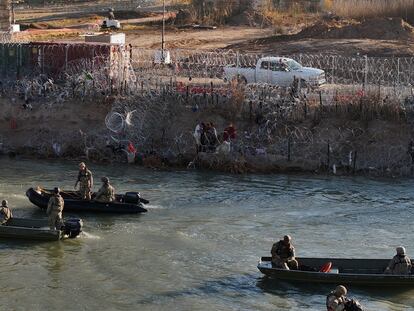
{"x":283,"y":254}
{"x":85,"y":180}
{"x":5,"y":212}
{"x":55,"y":209}
{"x":400,"y":264}
{"x":106,"y":193}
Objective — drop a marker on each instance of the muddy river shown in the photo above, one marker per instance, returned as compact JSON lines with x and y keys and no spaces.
{"x":198,"y":245}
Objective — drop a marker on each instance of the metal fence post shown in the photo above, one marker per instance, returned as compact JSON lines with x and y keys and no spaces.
{"x":398,"y":71}
{"x":366,"y":72}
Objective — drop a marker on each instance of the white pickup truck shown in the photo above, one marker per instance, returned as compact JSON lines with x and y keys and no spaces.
{"x":278,"y":71}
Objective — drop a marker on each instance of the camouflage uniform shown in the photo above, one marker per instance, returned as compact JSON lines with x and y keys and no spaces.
{"x":85,"y":183}
{"x":54,"y":211}
{"x":283,"y":256}
{"x":399,"y":265}
{"x":6,"y":214}
{"x":106,"y":193}
{"x":334,"y":303}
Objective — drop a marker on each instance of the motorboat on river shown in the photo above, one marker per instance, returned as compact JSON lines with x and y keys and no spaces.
{"x":38,"y":229}
{"x":128,"y":203}
{"x":366,"y":272}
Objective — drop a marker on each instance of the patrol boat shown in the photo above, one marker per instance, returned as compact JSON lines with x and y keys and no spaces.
{"x":128,"y":203}
{"x":38,"y":229}
{"x":365,"y":272}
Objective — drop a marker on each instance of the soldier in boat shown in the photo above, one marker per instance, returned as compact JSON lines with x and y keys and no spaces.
{"x":283,"y":254}
{"x":400,"y":264}
{"x":106,"y":193}
{"x":5,"y":212}
{"x":55,"y":209}
{"x":85,"y":180}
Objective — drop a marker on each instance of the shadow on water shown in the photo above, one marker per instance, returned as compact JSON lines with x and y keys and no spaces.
{"x":6,"y":244}
{"x":234,"y":286}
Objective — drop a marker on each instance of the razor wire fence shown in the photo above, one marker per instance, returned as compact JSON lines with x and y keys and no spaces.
{"x":392,"y":74}
{"x":131,"y":69}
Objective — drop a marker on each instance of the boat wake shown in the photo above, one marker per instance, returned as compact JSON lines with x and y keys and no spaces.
{"x":89,"y":236}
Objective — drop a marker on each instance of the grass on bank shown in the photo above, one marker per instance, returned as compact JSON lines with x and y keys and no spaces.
{"x":370,"y":8}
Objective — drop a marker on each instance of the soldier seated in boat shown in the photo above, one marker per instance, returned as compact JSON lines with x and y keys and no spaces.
{"x":106,"y":193}
{"x":5,"y":212}
{"x":400,"y":264}
{"x":55,"y":209}
{"x":283,"y":254}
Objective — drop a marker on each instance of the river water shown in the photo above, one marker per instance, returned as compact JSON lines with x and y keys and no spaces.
{"x":197,"y":247}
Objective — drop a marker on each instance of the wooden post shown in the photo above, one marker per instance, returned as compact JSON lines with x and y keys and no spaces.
{"x":354,"y":162}
{"x":329,"y":156}
{"x":305,"y":109}
{"x":289,"y":147}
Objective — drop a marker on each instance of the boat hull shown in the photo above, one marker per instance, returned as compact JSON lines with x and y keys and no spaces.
{"x":30,"y":229}
{"x":366,"y":272}
{"x":74,"y":204}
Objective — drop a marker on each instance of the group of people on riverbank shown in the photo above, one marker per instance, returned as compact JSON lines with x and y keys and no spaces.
{"x":283,"y":257}
{"x":207,"y":140}
{"x":56,"y":202}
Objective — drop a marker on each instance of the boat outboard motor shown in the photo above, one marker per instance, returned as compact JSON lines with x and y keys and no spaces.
{"x":353,"y":305}
{"x":73,"y":227}
{"x":132,"y":197}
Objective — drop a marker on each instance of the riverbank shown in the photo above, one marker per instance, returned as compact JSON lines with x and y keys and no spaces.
{"x":319,"y":141}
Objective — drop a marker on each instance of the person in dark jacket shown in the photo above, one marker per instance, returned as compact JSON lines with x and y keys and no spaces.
{"x":283,"y":254}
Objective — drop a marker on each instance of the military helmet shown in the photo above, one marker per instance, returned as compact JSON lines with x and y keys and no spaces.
{"x":56,"y":190}
{"x":340,"y":290}
{"x":400,"y":250}
{"x":105,"y":180}
{"x":4,"y":203}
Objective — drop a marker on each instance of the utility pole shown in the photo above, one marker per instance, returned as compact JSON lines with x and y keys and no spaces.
{"x":163,"y":31}
{"x":13,"y":18}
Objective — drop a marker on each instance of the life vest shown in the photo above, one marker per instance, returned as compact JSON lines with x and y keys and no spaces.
{"x":84,"y":176}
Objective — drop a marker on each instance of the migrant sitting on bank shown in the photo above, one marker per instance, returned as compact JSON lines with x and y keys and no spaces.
{"x":337,"y":301}
{"x":283,"y":254}
{"x":85,"y":180}
{"x":5,"y":212}
{"x":106,"y":193}
{"x":55,"y":209}
{"x":400,"y":264}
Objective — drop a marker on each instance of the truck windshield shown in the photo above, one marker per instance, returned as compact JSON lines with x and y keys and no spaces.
{"x":294,"y":65}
